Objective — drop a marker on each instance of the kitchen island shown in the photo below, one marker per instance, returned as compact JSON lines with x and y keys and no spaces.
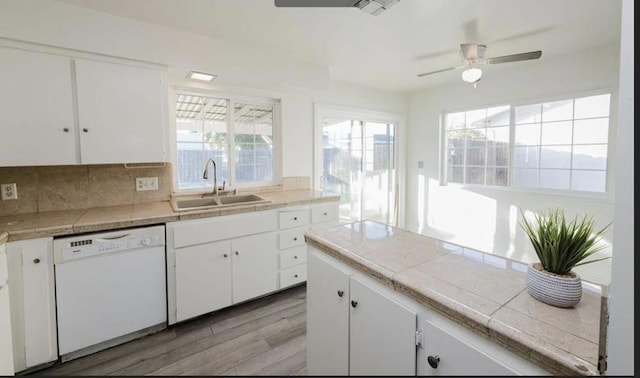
{"x":482,"y":293}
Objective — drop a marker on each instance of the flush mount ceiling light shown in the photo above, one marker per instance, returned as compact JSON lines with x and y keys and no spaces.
{"x":201,"y":76}
{"x":472,"y":75}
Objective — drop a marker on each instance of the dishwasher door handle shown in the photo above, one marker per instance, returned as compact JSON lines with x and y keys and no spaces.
{"x":113,"y":237}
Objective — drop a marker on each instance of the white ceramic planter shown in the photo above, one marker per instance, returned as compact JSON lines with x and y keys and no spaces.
{"x":553,"y":289}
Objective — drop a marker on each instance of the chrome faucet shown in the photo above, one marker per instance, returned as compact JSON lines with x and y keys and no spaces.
{"x":205,"y":175}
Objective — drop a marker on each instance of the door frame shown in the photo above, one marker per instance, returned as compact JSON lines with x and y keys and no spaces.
{"x":321,"y":111}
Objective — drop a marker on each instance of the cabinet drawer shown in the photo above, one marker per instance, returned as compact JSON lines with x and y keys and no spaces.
{"x":293,"y":275}
{"x":325,"y":212}
{"x":293,"y":256}
{"x":291,"y":238}
{"x":293,"y":218}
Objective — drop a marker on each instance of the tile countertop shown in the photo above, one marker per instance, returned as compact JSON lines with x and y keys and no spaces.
{"x":485,"y":293}
{"x":67,"y":222}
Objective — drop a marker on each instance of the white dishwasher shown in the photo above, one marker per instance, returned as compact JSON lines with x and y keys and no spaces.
{"x":110,"y":288}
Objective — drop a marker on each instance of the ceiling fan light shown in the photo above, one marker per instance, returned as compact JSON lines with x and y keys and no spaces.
{"x":471,"y":75}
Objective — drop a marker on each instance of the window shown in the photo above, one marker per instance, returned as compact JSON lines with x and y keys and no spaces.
{"x":238,"y":135}
{"x":557,"y":145}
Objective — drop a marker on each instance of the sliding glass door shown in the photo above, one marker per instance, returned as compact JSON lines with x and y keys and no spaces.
{"x":358,"y":162}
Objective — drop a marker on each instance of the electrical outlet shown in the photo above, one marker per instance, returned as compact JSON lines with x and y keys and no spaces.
{"x":9,"y":191}
{"x":146,"y":183}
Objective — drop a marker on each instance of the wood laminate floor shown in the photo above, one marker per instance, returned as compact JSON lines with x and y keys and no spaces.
{"x":266,"y":336}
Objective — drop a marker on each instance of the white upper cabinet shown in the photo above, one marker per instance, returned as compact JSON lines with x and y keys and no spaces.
{"x":36,"y":109}
{"x":120,"y":111}
{"x":60,"y":110}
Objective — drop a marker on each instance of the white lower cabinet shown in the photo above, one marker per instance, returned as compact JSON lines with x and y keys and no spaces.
{"x":358,"y":326}
{"x":202,"y":279}
{"x":215,"y":262}
{"x":354,"y":327}
{"x":6,"y":338}
{"x":32,"y":302}
{"x":450,"y":349}
{"x":255,"y":266}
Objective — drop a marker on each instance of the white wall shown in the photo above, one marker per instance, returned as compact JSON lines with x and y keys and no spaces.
{"x":621,"y":306}
{"x":486,"y":218}
{"x":243,"y":70}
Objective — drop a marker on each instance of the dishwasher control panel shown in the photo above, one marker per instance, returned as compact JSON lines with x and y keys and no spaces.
{"x":74,"y":247}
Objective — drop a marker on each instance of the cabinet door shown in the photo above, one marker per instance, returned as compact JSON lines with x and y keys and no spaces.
{"x":36,"y":109}
{"x":120,"y":113}
{"x":255,"y":266}
{"x":459,"y":351}
{"x":202,"y":279}
{"x":32,"y":300}
{"x":382,"y":333}
{"x":6,"y":339}
{"x":327,"y":316}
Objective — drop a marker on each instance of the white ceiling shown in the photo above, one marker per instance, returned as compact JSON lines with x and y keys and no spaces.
{"x":388,"y":51}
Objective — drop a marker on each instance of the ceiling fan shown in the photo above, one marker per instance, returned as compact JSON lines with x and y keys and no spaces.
{"x":473,"y":55}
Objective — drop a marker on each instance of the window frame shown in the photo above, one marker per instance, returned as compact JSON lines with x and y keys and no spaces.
{"x":232,"y":99}
{"x":610,"y":173}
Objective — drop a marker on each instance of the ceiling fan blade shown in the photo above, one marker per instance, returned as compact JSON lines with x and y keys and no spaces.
{"x":438,"y":71}
{"x":514,"y":58}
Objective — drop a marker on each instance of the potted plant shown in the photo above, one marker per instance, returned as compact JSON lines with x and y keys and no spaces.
{"x":560,"y":245}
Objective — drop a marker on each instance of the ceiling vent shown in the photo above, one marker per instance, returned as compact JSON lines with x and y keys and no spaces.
{"x":374,"y":7}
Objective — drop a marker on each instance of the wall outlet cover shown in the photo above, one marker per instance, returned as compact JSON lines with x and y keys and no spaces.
{"x":9,"y":191}
{"x":146,"y":183}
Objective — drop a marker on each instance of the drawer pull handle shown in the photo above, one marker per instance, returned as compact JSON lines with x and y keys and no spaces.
{"x":36,"y":261}
{"x":340,"y":293}
{"x":85,"y":130}
{"x":433,"y":361}
{"x":354,"y":304}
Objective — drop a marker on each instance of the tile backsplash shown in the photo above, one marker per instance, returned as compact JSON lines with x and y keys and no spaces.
{"x":72,"y":187}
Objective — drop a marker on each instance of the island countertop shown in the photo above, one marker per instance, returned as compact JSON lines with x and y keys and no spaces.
{"x":483,"y":292}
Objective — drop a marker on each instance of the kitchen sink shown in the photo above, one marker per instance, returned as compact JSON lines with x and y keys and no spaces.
{"x":194,"y":203}
{"x":216,"y":202}
{"x":241,"y":199}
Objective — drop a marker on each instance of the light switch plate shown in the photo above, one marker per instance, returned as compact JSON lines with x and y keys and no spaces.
{"x":146,"y":183}
{"x":9,"y":191}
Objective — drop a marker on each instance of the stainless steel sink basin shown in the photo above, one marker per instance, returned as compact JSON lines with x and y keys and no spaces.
{"x":215,"y":202}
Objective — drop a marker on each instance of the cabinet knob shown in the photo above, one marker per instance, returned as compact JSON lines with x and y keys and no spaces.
{"x":36,"y":261}
{"x":295,"y":276}
{"x":66,"y":129}
{"x":433,"y":361}
{"x":295,"y":239}
{"x":295,"y":218}
{"x":354,"y":304}
{"x":295,"y":257}
{"x":85,"y":130}
{"x":325,"y":213}
{"x":340,"y":293}
{"x":225,"y":255}
{"x":237,"y":253}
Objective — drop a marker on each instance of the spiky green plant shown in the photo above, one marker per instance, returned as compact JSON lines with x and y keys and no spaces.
{"x":562,"y":245}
